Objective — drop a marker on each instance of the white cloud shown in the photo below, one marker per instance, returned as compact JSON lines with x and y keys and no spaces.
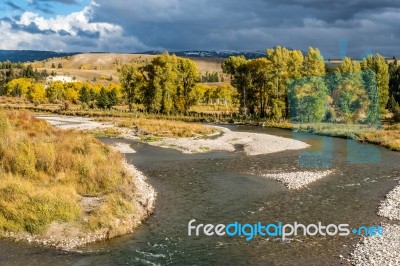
{"x":72,"y":32}
{"x":72,"y":23}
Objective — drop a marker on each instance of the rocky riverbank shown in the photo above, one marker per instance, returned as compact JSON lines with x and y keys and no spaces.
{"x":253,"y":143}
{"x":382,"y":250}
{"x":298,"y":180}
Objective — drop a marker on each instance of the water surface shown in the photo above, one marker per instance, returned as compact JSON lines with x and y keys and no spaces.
{"x":222,"y":187}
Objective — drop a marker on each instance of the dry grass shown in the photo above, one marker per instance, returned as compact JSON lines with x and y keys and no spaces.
{"x":44,"y":173}
{"x":389,"y":137}
{"x":213,"y":109}
{"x":162,"y":128}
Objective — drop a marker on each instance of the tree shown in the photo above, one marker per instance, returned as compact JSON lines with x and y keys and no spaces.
{"x":188,"y":76}
{"x":28,"y":72}
{"x":378,"y":64}
{"x":53,"y":65}
{"x":307,"y":99}
{"x":60,"y":65}
{"x":313,"y":65}
{"x":237,"y":67}
{"x":71,"y":91}
{"x":103,"y":100}
{"x":392,"y":104}
{"x":161,"y":73}
{"x":285,"y":66}
{"x":132,"y":81}
{"x":55,"y":91}
{"x":260,"y":70}
{"x":84,"y":95}
{"x":18,"y":87}
{"x":36,"y":92}
{"x":394,"y":81}
{"x":112,"y":98}
{"x":295,"y":64}
{"x":371,"y":87}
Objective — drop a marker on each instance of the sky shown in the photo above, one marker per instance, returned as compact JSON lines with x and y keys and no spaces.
{"x":338,"y":27}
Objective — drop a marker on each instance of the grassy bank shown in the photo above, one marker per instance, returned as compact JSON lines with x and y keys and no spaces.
{"x":161,"y":127}
{"x":182,"y":125}
{"x":388,"y":136}
{"x":51,"y":177}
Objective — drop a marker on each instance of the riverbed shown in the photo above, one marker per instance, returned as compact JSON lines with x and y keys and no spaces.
{"x":223,"y":187}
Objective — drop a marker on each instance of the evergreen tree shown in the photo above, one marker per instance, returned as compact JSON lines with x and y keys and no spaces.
{"x":103,"y":100}
{"x":84,"y":95}
{"x":112,"y":98}
{"x":392,"y":104}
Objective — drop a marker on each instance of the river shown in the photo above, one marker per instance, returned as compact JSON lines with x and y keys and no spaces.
{"x":221,"y":187}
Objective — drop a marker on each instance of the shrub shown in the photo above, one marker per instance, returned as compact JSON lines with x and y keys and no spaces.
{"x":396,"y":113}
{"x":44,"y":173}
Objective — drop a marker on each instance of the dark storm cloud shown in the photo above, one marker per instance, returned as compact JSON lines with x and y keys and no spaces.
{"x":258,"y":24}
{"x":138,"y":25}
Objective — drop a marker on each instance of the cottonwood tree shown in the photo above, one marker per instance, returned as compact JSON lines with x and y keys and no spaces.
{"x":237,"y":67}
{"x":161,"y":86}
{"x":188,"y":77}
{"x":378,"y":64}
{"x":132,"y":81}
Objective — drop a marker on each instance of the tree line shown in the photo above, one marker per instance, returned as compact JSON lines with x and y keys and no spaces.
{"x":167,"y":84}
{"x":285,"y":84}
{"x":289,"y":85}
{"x":10,"y":71}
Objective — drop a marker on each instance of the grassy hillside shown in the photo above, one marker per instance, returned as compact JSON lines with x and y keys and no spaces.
{"x":100,"y":67}
{"x":52,"y":178}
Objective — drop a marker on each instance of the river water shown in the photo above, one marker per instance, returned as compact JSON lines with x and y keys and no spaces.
{"x":222,"y":187}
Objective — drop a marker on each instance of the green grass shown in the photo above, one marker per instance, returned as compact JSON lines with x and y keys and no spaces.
{"x":150,"y":138}
{"x":45,"y":172}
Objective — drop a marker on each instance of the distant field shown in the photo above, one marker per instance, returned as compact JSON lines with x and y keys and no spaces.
{"x":102,"y":67}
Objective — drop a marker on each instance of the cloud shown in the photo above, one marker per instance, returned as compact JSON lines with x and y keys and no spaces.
{"x":73,"y":32}
{"x":45,"y":6}
{"x":214,"y":25}
{"x":14,"y":6}
{"x":70,"y":2}
{"x":259,"y":24}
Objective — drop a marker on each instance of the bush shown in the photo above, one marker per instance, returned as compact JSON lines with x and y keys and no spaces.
{"x":44,"y":173}
{"x":396,"y":113}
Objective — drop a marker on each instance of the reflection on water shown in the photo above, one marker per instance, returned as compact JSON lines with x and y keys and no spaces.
{"x":220,"y":188}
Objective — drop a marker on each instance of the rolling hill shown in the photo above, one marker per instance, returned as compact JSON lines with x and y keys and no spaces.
{"x":102,"y":67}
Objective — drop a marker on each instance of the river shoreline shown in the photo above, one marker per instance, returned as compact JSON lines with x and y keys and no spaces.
{"x":222,"y":140}
{"x":69,"y":236}
{"x":382,"y":250}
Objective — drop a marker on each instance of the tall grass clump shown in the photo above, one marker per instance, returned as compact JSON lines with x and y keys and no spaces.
{"x":45,"y":175}
{"x":162,"y":127}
